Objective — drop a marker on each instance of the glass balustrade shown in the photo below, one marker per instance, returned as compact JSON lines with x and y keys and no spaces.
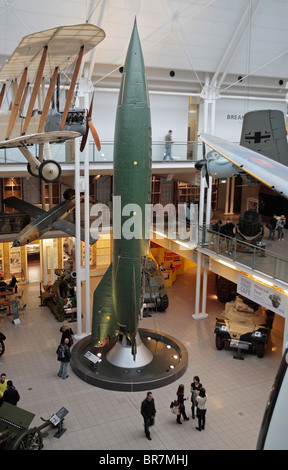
{"x":181,"y":152}
{"x":256,"y":257}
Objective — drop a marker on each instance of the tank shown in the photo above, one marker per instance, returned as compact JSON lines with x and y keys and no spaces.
{"x":245,"y":326}
{"x":154,"y":287}
{"x":250,"y":227}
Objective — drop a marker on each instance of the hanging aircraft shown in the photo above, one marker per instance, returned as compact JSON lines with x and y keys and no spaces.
{"x":34,"y":67}
{"x":47,"y":220}
{"x":261,"y":157}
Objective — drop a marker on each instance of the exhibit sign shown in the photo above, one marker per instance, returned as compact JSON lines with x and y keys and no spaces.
{"x":262,"y":294}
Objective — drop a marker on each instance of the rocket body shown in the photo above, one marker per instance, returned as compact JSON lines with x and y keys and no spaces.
{"x":132,"y":197}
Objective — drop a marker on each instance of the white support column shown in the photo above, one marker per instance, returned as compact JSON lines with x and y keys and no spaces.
{"x":78,"y":241}
{"x":87,"y":229}
{"x":82,"y":183}
{"x":209,"y":95}
{"x":203,"y":314}
{"x":44,"y":251}
{"x":200,"y":315}
{"x":198,"y":284}
{"x":52,"y":260}
{"x":48,"y":157}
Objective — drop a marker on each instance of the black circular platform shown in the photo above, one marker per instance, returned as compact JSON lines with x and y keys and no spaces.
{"x":170,"y":359}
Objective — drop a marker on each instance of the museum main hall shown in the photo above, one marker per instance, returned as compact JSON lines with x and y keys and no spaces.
{"x":110,"y":109}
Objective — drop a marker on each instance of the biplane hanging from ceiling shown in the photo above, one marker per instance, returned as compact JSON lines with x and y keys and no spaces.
{"x":35,"y":67}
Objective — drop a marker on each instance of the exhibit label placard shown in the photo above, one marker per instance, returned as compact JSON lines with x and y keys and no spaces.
{"x":262,"y":295}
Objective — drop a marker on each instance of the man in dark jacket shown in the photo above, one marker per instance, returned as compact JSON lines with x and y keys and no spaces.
{"x":64,"y":354}
{"x":10,"y":395}
{"x":148,"y":411}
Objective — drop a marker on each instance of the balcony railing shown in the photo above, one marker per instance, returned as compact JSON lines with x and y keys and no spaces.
{"x":181,"y":152}
{"x":256,"y":257}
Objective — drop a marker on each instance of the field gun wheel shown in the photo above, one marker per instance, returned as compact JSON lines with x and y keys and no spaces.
{"x":31,"y":439}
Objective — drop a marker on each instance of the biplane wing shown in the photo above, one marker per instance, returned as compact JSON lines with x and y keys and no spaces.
{"x":37,"y":139}
{"x":35,"y":67}
{"x":63,"y":44}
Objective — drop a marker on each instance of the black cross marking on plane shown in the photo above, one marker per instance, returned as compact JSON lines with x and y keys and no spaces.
{"x":257,"y":137}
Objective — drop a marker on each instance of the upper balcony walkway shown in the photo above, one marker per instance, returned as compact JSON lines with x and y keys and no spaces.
{"x":269,"y":258}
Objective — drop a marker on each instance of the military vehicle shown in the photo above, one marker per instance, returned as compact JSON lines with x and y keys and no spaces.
{"x":14,"y":428}
{"x":62,"y":294}
{"x":245,"y":326}
{"x":154,"y":287}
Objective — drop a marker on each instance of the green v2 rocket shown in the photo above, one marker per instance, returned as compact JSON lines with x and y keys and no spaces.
{"x":117,"y":298}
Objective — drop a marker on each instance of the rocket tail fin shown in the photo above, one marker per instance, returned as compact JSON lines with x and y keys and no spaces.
{"x":103,"y":319}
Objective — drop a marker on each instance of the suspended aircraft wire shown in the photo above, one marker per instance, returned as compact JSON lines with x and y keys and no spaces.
{"x":248,"y":52}
{"x":92,"y":12}
{"x":180,"y":36}
{"x":162,"y":39}
{"x":256,"y":70}
{"x":11,"y":7}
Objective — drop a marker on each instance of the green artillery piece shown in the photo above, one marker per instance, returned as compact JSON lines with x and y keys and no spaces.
{"x":14,"y":428}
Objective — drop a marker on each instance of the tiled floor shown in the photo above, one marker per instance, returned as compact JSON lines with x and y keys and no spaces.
{"x":100,"y":419}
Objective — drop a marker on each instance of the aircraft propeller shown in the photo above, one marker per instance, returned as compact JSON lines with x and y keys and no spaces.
{"x":90,"y":125}
{"x":202,"y":165}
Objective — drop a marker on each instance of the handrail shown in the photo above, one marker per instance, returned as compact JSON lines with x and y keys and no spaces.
{"x":248,"y":255}
{"x":181,"y":152}
{"x":253,"y":256}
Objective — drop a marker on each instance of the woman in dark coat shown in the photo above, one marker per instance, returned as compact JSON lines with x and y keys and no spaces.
{"x":180,"y":400}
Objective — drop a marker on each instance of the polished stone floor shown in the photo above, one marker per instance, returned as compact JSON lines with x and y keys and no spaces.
{"x":106,"y":420}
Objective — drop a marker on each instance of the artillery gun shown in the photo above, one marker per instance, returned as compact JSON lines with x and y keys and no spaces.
{"x":62,"y":294}
{"x":14,"y":428}
{"x":154,"y":290}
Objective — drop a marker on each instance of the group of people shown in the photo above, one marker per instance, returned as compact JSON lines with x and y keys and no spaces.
{"x":12,"y":284}
{"x":8,"y":393}
{"x":227,"y":231}
{"x":198,"y":405}
{"x":276,"y":224}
